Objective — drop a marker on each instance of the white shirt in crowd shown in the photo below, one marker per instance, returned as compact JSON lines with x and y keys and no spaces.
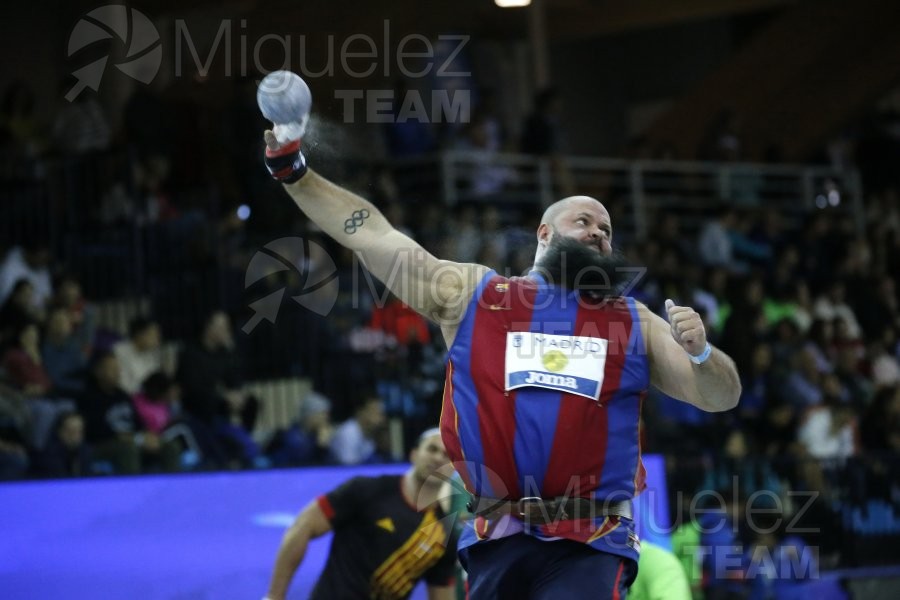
{"x":135,"y":366}
{"x":15,"y":268}
{"x":817,"y":435}
{"x":350,"y":446}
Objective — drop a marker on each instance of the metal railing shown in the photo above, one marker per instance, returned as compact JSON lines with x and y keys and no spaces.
{"x":641,"y":188}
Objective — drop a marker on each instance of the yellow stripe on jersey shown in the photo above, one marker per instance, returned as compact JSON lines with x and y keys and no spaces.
{"x":395,"y":577}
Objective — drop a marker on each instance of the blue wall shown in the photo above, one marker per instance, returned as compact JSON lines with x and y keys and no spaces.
{"x":206,"y":536}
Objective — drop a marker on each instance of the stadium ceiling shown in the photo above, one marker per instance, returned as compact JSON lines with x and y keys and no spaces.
{"x":569,"y":19}
{"x":565,"y":19}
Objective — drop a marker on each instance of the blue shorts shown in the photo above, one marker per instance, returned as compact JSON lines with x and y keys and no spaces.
{"x":520,"y":566}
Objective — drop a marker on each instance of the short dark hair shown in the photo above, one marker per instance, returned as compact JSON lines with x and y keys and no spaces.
{"x":100,"y":356}
{"x":366,"y":399}
{"x":427,"y":434}
{"x":157,"y":384}
{"x":139,"y":325}
{"x":63,"y":277}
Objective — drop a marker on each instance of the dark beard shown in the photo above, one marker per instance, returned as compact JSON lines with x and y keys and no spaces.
{"x":570,"y":264}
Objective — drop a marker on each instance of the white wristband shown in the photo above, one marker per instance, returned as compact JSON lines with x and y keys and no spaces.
{"x":702,"y":357}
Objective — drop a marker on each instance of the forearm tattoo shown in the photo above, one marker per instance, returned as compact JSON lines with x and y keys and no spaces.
{"x":355,"y":221}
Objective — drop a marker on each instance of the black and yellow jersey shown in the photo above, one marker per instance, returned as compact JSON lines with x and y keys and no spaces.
{"x":382,"y":545}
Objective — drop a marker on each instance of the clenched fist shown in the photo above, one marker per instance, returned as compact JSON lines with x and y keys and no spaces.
{"x":687,"y":328}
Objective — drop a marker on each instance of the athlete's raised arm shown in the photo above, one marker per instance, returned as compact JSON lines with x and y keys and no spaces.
{"x":437,"y":289}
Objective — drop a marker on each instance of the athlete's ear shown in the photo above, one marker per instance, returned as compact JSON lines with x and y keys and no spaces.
{"x":544,"y":233}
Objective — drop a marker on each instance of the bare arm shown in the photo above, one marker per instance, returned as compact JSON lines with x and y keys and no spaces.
{"x":441,"y":592}
{"x":310,"y":524}
{"x":713,"y":386}
{"x":437,"y":289}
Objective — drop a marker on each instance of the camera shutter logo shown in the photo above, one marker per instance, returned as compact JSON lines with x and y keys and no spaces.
{"x":132,"y":28}
{"x":316,"y":271}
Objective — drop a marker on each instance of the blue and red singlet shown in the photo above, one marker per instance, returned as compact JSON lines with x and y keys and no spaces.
{"x":543,"y":398}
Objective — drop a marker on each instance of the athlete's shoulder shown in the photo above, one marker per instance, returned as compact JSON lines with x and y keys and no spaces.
{"x":364,"y":484}
{"x":386,"y":483}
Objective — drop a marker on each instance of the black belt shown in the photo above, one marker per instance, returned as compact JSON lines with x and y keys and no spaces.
{"x":543,"y":511}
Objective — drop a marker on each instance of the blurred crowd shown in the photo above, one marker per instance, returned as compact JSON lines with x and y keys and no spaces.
{"x":809,"y":309}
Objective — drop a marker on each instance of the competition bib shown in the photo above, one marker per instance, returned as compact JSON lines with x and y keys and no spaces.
{"x":564,"y":363}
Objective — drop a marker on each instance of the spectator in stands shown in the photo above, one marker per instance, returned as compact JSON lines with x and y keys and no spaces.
{"x":15,"y":431}
{"x":778,"y":432}
{"x":801,"y":306}
{"x":843,"y":340}
{"x":885,"y":367}
{"x":820,"y":344}
{"x":19,"y":308}
{"x":717,"y":284}
{"x":66,"y":453}
{"x":715,"y":243}
{"x":745,"y":250}
{"x":62,"y":355}
{"x":757,"y":386}
{"x":29,"y":261}
{"x":13,"y":458}
{"x":139,"y":355}
{"x":157,"y":402}
{"x":110,"y":422}
{"x":847,"y":370}
{"x":208,"y":367}
{"x":689,"y":288}
{"x":354,"y":439}
{"x":23,"y":363}
{"x":67,"y":293}
{"x":746,"y":325}
{"x":803,"y":385}
{"x":113,"y":428}
{"x":828,"y":431}
{"x":309,"y":440}
{"x":401,"y":322}
{"x":832,"y":305}
{"x":789,"y":298}
{"x":210,"y":374}
{"x":660,"y":576}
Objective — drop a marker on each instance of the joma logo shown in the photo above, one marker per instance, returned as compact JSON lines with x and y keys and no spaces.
{"x":547,"y":379}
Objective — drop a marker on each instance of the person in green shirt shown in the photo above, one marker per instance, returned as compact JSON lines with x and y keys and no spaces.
{"x":660,"y":576}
